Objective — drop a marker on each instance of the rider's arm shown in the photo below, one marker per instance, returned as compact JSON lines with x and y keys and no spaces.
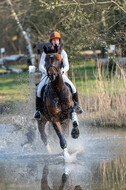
{"x":42,"y":63}
{"x":65,"y":62}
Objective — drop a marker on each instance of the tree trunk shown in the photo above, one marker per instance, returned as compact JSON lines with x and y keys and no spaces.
{"x":32,"y":58}
{"x":104,"y":51}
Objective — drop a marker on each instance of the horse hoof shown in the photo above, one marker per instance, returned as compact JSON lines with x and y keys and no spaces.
{"x":65,"y":177}
{"x":75,"y":133}
{"x":75,"y":124}
{"x":63,"y":143}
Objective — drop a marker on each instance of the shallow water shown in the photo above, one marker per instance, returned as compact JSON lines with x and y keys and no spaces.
{"x":25,"y":164}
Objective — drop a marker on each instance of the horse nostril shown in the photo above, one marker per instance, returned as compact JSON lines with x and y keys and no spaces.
{"x":52,"y":76}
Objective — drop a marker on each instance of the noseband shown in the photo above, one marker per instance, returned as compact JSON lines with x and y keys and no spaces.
{"x":51,"y":65}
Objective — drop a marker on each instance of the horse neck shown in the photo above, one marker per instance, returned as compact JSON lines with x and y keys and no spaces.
{"x":58,"y":83}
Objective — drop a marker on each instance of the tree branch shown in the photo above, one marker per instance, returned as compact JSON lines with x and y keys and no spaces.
{"x":32,"y":58}
{"x":77,"y":3}
{"x":118,"y":6}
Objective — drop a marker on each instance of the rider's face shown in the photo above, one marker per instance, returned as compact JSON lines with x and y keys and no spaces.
{"x":55,"y":41}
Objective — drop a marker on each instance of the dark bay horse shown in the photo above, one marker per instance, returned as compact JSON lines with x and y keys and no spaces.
{"x":58,"y":107}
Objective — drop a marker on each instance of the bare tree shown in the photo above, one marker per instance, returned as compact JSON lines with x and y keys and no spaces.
{"x":15,"y":16}
{"x":82,"y":24}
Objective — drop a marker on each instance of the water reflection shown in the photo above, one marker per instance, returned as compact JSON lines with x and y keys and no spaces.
{"x":101,"y":166}
{"x":111,"y":174}
{"x":33,"y":174}
{"x":66,"y":181}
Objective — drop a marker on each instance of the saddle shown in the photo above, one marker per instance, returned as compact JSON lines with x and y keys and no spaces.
{"x":67,"y":84}
{"x":45,"y":89}
{"x":44,"y":93}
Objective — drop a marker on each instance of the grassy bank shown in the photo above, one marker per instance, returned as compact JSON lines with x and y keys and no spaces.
{"x":14,"y":90}
{"x":102,"y":94}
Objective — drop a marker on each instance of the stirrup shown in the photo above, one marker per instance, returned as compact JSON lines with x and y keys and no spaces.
{"x":37,"y":115}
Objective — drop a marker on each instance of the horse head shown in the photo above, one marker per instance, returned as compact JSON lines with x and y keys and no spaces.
{"x":52,"y":64}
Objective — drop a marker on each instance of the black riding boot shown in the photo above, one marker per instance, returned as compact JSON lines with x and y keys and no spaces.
{"x":37,"y":114}
{"x":76,"y":103}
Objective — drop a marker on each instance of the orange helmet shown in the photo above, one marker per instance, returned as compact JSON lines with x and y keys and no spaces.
{"x":54,"y":35}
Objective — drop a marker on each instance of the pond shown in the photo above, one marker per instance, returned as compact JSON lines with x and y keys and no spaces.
{"x":25,"y":164}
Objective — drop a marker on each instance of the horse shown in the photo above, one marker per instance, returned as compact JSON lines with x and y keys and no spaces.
{"x":58,"y":105}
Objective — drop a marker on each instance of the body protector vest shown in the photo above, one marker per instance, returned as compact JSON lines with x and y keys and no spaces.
{"x":59,"y":53}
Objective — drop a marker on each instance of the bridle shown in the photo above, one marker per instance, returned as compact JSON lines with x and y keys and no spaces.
{"x":56,"y":68}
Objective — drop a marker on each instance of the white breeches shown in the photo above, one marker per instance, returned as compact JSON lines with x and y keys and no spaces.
{"x":65,"y":79}
{"x":45,"y":80}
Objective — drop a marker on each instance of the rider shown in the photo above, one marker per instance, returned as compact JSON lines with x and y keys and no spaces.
{"x":55,"y":39}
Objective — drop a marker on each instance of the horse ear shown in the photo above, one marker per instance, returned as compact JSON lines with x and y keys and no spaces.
{"x":45,"y":49}
{"x":56,"y":48}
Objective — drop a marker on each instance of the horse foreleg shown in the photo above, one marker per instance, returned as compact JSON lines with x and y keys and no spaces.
{"x":58,"y":130}
{"x":75,"y":130}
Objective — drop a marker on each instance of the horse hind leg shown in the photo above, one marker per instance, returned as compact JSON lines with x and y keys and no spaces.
{"x":41,"y":127}
{"x":65,"y":127}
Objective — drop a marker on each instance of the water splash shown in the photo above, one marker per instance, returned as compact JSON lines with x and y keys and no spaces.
{"x":49,"y":149}
{"x":70,"y":157}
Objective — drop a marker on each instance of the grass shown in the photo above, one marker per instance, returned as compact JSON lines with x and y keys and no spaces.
{"x":83,"y":76}
{"x":14,"y":91}
{"x":102,"y":95}
{"x":23,"y":66}
{"x":2,"y":70}
{"x":14,"y":86}
{"x":87,"y":78}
